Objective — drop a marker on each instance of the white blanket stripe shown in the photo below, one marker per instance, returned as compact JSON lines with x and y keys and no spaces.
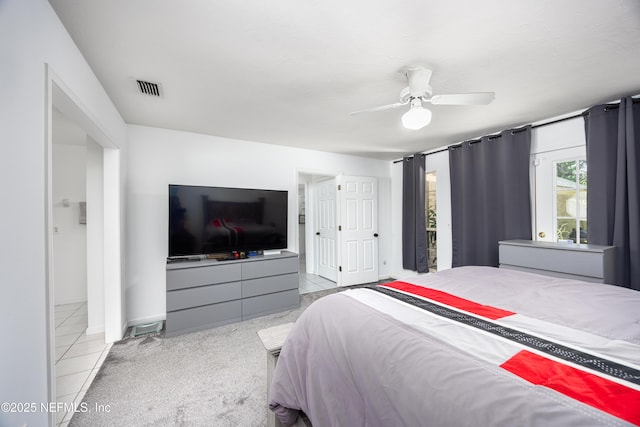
{"x":474,"y":341}
{"x":618,"y":351}
{"x":622,"y":352}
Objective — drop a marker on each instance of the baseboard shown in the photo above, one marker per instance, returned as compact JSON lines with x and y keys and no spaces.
{"x":95,"y":330}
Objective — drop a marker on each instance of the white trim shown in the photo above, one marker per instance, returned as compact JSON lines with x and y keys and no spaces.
{"x":48,"y":239}
{"x":67,"y":102}
{"x":95,"y":330}
{"x":311,"y":250}
{"x":112,"y":245}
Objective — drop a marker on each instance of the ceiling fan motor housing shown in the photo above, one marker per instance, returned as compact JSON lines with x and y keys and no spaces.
{"x":406,"y":95}
{"x":418,"y":79}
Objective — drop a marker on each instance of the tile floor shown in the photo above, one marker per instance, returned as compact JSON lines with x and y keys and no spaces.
{"x":312,"y":282}
{"x":78,"y":356}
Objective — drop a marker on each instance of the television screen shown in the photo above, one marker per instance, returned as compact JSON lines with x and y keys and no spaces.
{"x":208,"y":220}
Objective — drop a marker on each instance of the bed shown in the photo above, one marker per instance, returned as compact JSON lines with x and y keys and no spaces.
{"x":470,"y":346}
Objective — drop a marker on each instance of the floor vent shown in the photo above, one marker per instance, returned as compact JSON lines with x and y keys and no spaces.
{"x":149,"y":88}
{"x":149,"y":328}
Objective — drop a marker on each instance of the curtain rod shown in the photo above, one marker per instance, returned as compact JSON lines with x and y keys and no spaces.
{"x":517,"y":130}
{"x":610,"y":105}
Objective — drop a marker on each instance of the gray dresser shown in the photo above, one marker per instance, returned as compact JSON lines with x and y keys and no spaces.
{"x":591,"y":263}
{"x":209,"y":293}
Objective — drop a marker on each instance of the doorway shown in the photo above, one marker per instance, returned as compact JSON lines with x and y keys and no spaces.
{"x":340,"y":231}
{"x":102,"y":313}
{"x":313,"y":277}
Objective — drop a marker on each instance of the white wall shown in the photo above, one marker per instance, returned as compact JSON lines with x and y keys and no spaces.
{"x":31,"y":35}
{"x":159,"y":157}
{"x":556,"y":136}
{"x":69,"y":237}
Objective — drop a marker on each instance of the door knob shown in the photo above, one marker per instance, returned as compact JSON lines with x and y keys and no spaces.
{"x":541,"y":234}
{"x":375,"y":234}
{"x":317,"y":233}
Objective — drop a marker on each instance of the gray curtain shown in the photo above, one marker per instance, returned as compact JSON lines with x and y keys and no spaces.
{"x":490,"y":195}
{"x":613,"y":196}
{"x":414,"y":228}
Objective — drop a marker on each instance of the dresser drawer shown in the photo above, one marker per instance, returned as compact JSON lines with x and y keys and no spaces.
{"x":203,"y":295}
{"x":591,"y":263}
{"x":269,"y":267}
{"x":557,"y":274}
{"x":266,"y":304}
{"x":200,"y":276}
{"x":564,"y":261}
{"x":208,"y":316}
{"x":269,"y":285}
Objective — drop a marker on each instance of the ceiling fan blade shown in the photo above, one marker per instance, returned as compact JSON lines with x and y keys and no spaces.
{"x":481,"y":98}
{"x":381,"y":108}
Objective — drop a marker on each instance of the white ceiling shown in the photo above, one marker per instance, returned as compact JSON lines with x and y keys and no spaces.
{"x":289,"y":72}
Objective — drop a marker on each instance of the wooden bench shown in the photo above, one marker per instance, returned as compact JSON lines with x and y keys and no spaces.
{"x":272,"y":340}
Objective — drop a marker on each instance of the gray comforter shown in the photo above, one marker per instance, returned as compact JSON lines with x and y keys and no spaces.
{"x":347,"y":363}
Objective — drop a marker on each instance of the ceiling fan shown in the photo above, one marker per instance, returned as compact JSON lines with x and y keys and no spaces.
{"x":420,"y":91}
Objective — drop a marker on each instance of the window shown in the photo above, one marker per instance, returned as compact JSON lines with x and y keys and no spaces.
{"x":430,"y":219}
{"x":560,"y":189}
{"x":570,"y":189}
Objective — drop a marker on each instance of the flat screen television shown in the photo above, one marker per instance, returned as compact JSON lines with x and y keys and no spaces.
{"x":212,"y":220}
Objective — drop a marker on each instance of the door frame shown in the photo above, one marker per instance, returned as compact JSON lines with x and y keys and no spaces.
{"x":58,"y":94}
{"x":311,"y":214}
{"x":563,"y":135}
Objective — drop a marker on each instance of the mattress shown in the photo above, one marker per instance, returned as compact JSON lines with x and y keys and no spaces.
{"x":476,"y":346}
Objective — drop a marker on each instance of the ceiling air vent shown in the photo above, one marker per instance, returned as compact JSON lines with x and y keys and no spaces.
{"x":149,"y":88}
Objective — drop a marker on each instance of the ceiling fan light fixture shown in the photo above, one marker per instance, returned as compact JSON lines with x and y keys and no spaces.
{"x":416,"y":118}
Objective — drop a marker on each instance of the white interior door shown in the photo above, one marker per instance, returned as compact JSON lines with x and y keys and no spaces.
{"x":358,"y":230}
{"x":326,"y":230}
{"x":546,"y":184}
